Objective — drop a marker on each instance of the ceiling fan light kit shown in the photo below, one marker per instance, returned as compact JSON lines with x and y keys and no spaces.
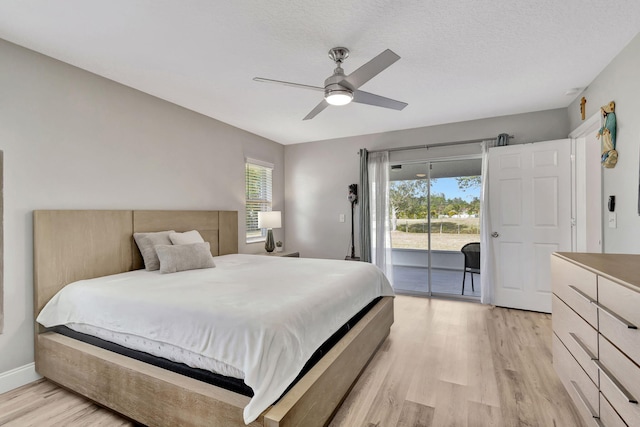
{"x":338,"y":97}
{"x":340,"y":89}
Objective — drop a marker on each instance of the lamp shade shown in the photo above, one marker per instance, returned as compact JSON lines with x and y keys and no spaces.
{"x":271,"y":219}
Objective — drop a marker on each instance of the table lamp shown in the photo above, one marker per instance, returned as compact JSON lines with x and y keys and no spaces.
{"x":269,"y":220}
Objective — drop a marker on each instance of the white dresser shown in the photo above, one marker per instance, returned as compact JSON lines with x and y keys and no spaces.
{"x":596,"y":341}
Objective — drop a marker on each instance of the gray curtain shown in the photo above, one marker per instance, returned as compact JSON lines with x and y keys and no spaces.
{"x":365,"y":215}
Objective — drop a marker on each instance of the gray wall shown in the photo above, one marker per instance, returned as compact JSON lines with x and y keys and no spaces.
{"x":619,"y":82}
{"x":317,"y":174}
{"x":1,"y":245}
{"x":73,"y":140}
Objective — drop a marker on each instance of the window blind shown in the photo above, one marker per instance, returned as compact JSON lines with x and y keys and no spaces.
{"x":258,"y":179}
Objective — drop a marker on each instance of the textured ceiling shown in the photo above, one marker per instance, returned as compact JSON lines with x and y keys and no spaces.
{"x":461,"y":60}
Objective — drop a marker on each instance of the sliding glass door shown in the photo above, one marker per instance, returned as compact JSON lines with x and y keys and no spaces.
{"x":409,"y":205}
{"x":435,"y":213}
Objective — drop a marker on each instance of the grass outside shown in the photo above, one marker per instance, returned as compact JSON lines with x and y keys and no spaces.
{"x":446,"y":241}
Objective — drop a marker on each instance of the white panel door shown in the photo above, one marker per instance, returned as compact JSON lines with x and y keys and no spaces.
{"x":530,"y":202}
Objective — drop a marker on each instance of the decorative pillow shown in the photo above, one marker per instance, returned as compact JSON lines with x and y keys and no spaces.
{"x":184,"y":257}
{"x":147,"y":243}
{"x":186,"y":238}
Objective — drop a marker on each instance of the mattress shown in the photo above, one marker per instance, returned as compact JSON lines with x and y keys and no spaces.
{"x":229,"y":383}
{"x":262,"y":317}
{"x":160,"y":349}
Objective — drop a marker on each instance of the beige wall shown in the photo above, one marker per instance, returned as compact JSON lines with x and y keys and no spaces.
{"x":73,"y":140}
{"x":619,"y":82}
{"x":317,"y":174}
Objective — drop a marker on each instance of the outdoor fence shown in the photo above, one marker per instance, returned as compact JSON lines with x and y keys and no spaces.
{"x":440,"y":226}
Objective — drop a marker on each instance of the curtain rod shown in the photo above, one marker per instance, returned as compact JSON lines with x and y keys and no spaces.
{"x":443,"y":144}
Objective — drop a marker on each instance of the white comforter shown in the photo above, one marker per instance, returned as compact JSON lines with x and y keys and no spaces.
{"x":264,"y":316}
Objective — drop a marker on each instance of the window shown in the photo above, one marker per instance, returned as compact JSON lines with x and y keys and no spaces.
{"x":258,"y":181}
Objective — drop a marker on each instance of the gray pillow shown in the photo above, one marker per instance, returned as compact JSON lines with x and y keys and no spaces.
{"x":174,"y":258}
{"x":147,"y":243}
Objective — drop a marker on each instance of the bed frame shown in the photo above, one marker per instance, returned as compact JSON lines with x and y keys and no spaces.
{"x":75,"y":245}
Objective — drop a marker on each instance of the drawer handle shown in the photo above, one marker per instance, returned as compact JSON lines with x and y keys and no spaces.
{"x":582,"y":295}
{"x":615,"y":382}
{"x":614,"y":315}
{"x":582,"y":346}
{"x":585,"y":403}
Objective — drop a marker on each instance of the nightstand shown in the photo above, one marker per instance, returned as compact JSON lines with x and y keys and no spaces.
{"x":283,"y":254}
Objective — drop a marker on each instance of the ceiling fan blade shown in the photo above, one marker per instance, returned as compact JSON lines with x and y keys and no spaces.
{"x":363,"y":97}
{"x":371,"y":69}
{"x":323,"y":104}
{"x":298,"y":85}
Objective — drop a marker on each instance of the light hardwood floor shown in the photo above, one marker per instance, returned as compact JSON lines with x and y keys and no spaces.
{"x":446,"y":363}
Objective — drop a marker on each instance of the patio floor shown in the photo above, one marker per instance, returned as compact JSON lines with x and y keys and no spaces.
{"x":414,"y":279}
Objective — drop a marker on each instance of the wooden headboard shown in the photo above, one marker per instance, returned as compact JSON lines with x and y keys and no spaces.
{"x":71,"y":245}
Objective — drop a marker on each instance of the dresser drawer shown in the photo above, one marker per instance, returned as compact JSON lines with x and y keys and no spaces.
{"x":577,"y":335}
{"x":582,"y":391}
{"x":620,"y":309}
{"x":575,"y":286}
{"x":620,"y":382}
{"x":608,"y":415}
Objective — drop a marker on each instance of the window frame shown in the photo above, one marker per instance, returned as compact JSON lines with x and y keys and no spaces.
{"x":262,"y":202}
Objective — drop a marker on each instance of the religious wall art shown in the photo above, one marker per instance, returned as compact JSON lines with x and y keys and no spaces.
{"x":608,"y":133}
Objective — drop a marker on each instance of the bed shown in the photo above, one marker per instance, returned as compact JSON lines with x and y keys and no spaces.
{"x":76,"y":245}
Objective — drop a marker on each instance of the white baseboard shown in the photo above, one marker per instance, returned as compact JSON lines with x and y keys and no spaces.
{"x":18,"y":377}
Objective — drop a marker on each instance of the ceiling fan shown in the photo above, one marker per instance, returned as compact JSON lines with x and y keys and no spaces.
{"x":340,"y":89}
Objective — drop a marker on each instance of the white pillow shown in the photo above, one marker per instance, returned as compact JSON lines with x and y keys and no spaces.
{"x":174,"y":258}
{"x":186,"y":238}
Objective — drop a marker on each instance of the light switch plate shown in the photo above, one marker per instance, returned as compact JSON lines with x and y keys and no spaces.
{"x":341,"y":217}
{"x":613,"y":220}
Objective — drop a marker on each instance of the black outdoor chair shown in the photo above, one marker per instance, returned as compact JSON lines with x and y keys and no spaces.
{"x":471,"y":252}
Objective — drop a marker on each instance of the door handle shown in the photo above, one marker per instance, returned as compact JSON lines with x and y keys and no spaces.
{"x":586,"y":404}
{"x":615,"y":382}
{"x":614,"y":315}
{"x":582,"y":295}
{"x":495,"y":234}
{"x":583,"y":346}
